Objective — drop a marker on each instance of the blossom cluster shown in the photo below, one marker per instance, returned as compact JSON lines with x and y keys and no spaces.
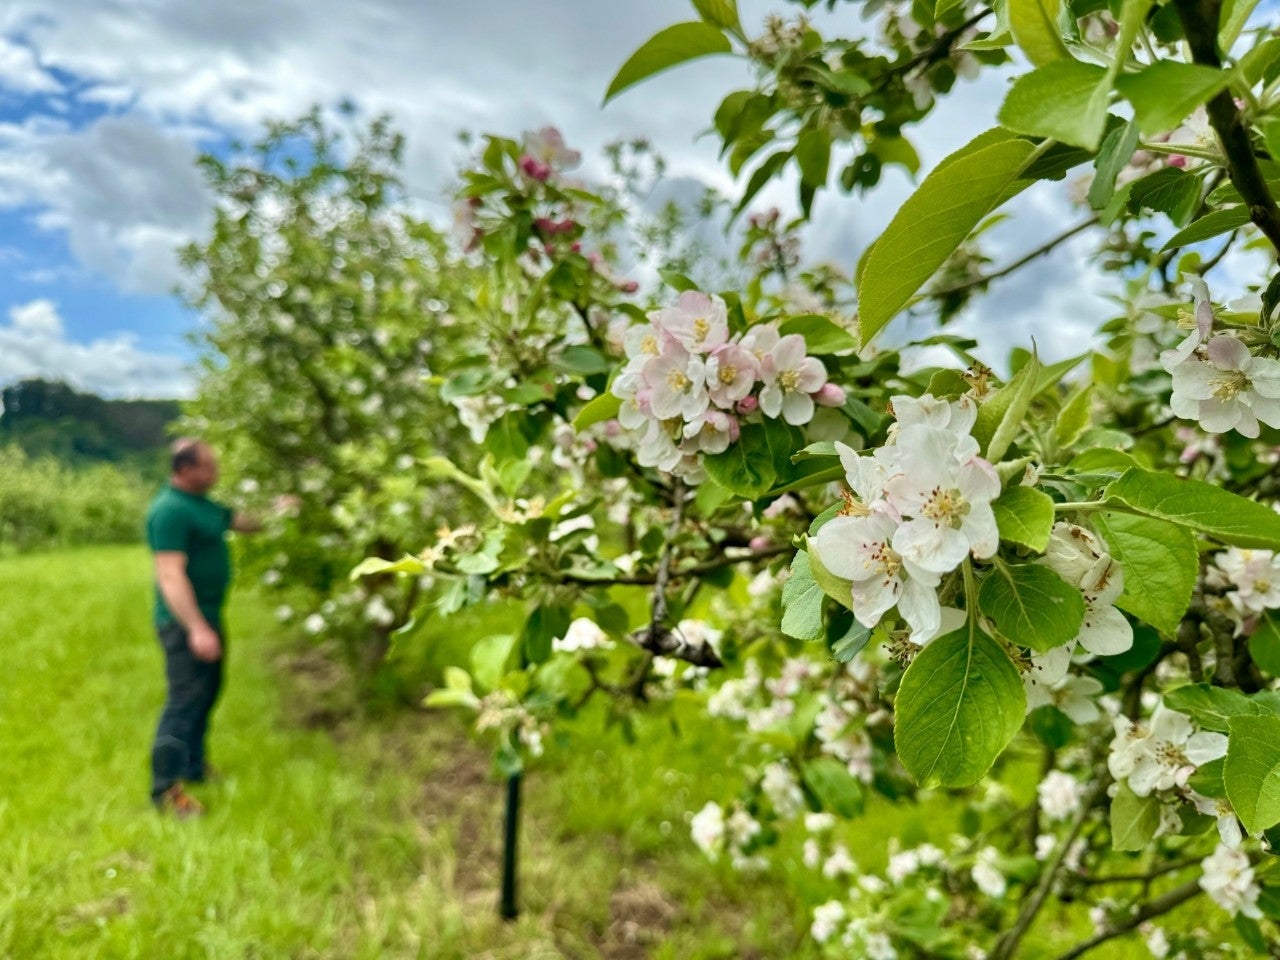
{"x":921,"y":504}
{"x":688,"y":382}
{"x":1217,"y":381}
{"x":1251,"y":577}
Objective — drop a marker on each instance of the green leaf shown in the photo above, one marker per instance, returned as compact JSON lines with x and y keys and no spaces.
{"x":547,"y":622}
{"x":837,"y":588}
{"x":1212,"y":224}
{"x":1034,"y":25}
{"x":802,"y":601}
{"x":373,"y":565}
{"x":492,"y":657}
{"x":1000,"y":415}
{"x":1134,"y":820}
{"x":1031,"y":605}
{"x":1198,"y":506}
{"x":1208,"y":779}
{"x":1064,"y":99}
{"x":746,"y":468}
{"x":721,"y":13}
{"x":821,"y":335}
{"x":1160,"y":565}
{"x":1212,"y":707}
{"x":1252,"y":771}
{"x":762,"y":175}
{"x":933,"y":222}
{"x":813,"y":156}
{"x":1024,"y":515}
{"x":1264,"y":645}
{"x":601,"y":408}
{"x":834,"y":786}
{"x":582,"y":359}
{"x":847,"y":646}
{"x":1167,"y":92}
{"x":1074,"y":418}
{"x":1234,"y":15}
{"x":960,"y":703}
{"x":1168,"y":190}
{"x":1117,"y":151}
{"x":667,"y":48}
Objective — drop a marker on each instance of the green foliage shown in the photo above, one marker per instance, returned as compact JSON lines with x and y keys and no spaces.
{"x":1024,"y":515}
{"x":44,"y":503}
{"x":1160,"y":566}
{"x":1252,"y":771}
{"x":1198,"y":506}
{"x":1031,"y":605}
{"x":960,"y":703}
{"x":674,"y":45}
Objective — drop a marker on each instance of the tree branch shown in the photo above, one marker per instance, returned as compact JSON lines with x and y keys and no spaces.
{"x":1200,"y":25}
{"x":1154,"y":908}
{"x":696,"y":570}
{"x":1008,"y":943}
{"x":1039,"y":251}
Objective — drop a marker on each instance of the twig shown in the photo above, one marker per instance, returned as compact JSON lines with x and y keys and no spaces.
{"x":696,"y":570}
{"x":1039,"y":251}
{"x":1154,"y":908}
{"x":1008,"y":943}
{"x":1173,"y":867}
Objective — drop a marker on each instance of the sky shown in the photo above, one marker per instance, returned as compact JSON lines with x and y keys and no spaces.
{"x":106,"y":104}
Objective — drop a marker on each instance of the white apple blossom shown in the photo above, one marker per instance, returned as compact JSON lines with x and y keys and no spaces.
{"x":677,"y":380}
{"x":819,"y":822}
{"x":708,"y":829}
{"x":1045,"y":844}
{"x":1229,"y":829}
{"x":1060,"y":795}
{"x":732,"y":371}
{"x":839,"y":864}
{"x":790,"y":378}
{"x":1224,"y":387}
{"x":1227,"y":876}
{"x":313,"y":624}
{"x":1074,"y":696}
{"x":1156,"y":940}
{"x":782,"y":788}
{"x":948,"y":502}
{"x":698,"y":322}
{"x":582,"y":634}
{"x":826,"y":920}
{"x":1080,"y":558}
{"x":1255,"y":574}
{"x":1162,"y":755}
{"x":986,"y":873}
{"x":858,"y":549}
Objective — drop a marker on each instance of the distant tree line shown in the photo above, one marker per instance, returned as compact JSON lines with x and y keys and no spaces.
{"x":51,"y":418}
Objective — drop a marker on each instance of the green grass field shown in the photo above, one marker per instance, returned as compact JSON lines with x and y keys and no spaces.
{"x":338,"y":837}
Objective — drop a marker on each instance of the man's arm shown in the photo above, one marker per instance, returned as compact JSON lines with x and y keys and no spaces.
{"x":180,"y":598}
{"x":242,"y":522}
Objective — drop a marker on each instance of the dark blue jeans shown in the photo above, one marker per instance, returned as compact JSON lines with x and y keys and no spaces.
{"x":193,"y":685}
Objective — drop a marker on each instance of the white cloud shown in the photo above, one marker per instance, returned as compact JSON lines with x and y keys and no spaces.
{"x":33,"y":343}
{"x":20,"y":73}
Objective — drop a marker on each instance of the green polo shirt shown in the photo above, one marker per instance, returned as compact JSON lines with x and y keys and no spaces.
{"x":196,"y":526}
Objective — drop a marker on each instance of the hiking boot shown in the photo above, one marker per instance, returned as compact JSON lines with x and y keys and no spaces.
{"x":178,"y":802}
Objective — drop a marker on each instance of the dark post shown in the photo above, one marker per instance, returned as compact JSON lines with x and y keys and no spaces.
{"x":508,"y":910}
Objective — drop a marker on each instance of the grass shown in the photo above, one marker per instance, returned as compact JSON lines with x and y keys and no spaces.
{"x":338,"y":837}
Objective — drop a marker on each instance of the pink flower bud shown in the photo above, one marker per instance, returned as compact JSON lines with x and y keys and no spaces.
{"x":535,"y":169}
{"x":575,"y":247}
{"x":1177,"y":160}
{"x":829,"y":396}
{"x":758,"y":543}
{"x":629,"y":286}
{"x":748,"y":405}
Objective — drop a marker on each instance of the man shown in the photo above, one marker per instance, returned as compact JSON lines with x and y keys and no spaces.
{"x":186,"y":531}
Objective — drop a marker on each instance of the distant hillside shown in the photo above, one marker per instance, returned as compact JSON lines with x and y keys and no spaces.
{"x":46,"y":417}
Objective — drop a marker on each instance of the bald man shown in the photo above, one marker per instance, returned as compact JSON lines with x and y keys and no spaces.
{"x":186,"y":532}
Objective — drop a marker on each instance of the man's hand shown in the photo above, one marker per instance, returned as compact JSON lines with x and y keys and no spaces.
{"x":204,"y":643}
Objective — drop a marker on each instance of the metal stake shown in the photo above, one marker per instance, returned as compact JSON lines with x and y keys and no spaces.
{"x":508,"y":909}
